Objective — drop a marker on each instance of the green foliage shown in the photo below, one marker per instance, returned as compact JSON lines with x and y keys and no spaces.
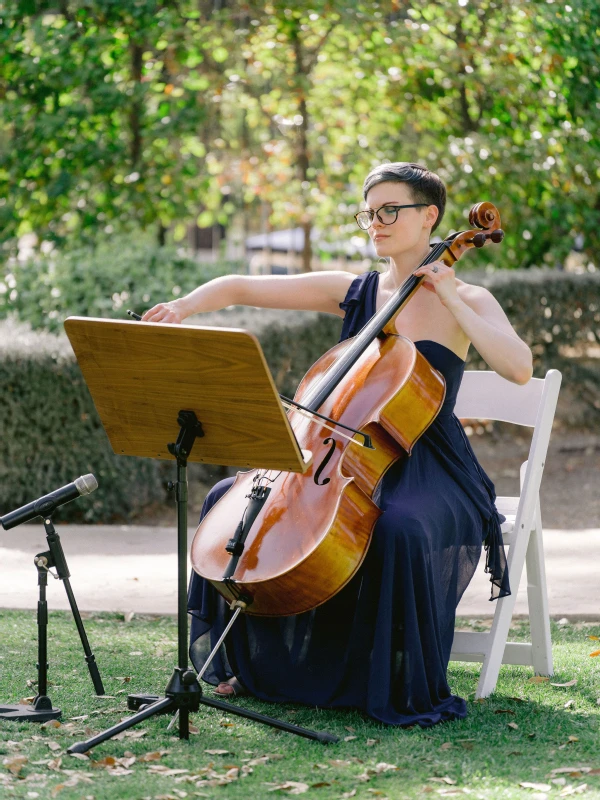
{"x":51,"y":433}
{"x":140,"y":113}
{"x":104,"y":281}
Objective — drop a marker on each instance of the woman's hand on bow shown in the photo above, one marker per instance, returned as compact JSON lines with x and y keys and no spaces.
{"x":440,"y":279}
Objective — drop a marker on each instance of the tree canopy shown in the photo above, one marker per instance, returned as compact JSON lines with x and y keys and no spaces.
{"x":158,"y":114}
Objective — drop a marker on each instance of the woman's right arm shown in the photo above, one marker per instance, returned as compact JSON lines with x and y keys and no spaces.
{"x":312,"y":291}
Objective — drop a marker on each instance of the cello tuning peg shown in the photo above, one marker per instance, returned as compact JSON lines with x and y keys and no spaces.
{"x":479,"y":239}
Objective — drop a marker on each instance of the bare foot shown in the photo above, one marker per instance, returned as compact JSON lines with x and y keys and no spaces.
{"x":231,"y":688}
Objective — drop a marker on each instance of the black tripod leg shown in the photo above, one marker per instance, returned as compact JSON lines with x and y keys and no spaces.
{"x":60,"y":563}
{"x":89,"y":656}
{"x":274,"y":723}
{"x":156,"y":708}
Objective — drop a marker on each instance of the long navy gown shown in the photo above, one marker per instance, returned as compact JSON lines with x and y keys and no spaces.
{"x":382,"y":644}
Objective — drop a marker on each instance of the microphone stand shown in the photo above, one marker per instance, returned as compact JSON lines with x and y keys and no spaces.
{"x":41,"y":710}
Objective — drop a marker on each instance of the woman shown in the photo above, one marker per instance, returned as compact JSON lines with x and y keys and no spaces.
{"x":382,"y":644}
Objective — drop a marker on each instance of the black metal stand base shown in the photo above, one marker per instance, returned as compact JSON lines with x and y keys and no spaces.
{"x":40,"y":711}
{"x":141,"y":701}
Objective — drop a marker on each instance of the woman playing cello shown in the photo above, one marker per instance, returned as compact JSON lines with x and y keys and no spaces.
{"x":381,"y":644}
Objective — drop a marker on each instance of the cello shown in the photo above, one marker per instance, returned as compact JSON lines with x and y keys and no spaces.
{"x":279,"y":544}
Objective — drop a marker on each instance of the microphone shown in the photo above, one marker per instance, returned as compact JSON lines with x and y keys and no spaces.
{"x":45,"y":506}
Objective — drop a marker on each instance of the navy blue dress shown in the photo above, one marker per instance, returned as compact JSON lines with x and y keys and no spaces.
{"x":382,"y":644}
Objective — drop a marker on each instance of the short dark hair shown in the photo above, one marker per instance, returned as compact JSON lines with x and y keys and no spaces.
{"x":425,"y":186}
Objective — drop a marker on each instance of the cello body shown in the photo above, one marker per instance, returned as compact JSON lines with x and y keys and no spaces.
{"x":308,"y":534}
{"x":313,"y":530}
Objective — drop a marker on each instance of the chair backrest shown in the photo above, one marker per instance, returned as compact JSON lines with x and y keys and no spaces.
{"x":486,"y":395}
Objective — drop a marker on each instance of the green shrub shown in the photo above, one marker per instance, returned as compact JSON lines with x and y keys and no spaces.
{"x":122,"y":273}
{"x":51,"y":433}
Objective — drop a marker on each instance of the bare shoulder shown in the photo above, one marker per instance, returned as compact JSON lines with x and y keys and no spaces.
{"x":483,"y":302}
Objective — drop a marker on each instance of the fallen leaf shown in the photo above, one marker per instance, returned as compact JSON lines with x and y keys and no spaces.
{"x":513,"y":725}
{"x":338,"y":762}
{"x":224,"y":724}
{"x":349,"y":728}
{"x":15,"y":764}
{"x":347,"y":795}
{"x":372,"y":742}
{"x":446,"y":746}
{"x":595,"y":638}
{"x":80,"y":756}
{"x":193,"y":729}
{"x":540,"y":787}
{"x":573,"y":739}
{"x":569,"y":770}
{"x":130,"y":735}
{"x":107,"y":761}
{"x":569,"y":790}
{"x":350,"y":738}
{"x":504,"y":711}
{"x":52,"y":723}
{"x":595,"y":653}
{"x":445,"y":779}
{"x":538,"y":679}
{"x":569,"y":703}
{"x":293,"y":787}
{"x":128,"y":616}
{"x":54,"y":746}
{"x":126,"y":679}
{"x":319,"y":785}
{"x":570,"y":683}
{"x":55,"y":764}
{"x":217,"y":752}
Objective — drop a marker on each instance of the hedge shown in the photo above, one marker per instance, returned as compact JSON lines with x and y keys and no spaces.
{"x":51,"y":432}
{"x":124,"y":272}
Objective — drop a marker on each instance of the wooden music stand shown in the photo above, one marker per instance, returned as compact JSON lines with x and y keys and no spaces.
{"x":146,"y":379}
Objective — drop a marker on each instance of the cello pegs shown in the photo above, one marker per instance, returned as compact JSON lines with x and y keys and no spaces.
{"x":480,"y":238}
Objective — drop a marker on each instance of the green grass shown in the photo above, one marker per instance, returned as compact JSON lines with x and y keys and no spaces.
{"x":483,"y":756}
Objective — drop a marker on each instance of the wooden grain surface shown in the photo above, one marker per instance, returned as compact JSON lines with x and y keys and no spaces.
{"x":140,"y":375}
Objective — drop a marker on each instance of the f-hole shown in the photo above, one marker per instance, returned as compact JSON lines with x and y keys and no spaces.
{"x":332,"y":443}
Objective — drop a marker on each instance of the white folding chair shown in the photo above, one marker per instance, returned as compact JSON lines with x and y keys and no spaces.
{"x":486,"y":395}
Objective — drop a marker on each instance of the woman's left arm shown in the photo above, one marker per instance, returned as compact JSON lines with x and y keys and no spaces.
{"x":484,"y":322}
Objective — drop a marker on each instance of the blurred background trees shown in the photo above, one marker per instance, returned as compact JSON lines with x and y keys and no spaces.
{"x":154,"y":116}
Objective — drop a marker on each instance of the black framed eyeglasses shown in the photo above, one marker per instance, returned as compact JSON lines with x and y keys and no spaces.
{"x":364,"y":219}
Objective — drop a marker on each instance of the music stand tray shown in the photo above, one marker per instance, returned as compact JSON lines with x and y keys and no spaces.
{"x":145,"y":380}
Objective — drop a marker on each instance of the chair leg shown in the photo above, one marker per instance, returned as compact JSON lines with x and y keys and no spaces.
{"x":537,"y":595}
{"x":503,"y":616}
